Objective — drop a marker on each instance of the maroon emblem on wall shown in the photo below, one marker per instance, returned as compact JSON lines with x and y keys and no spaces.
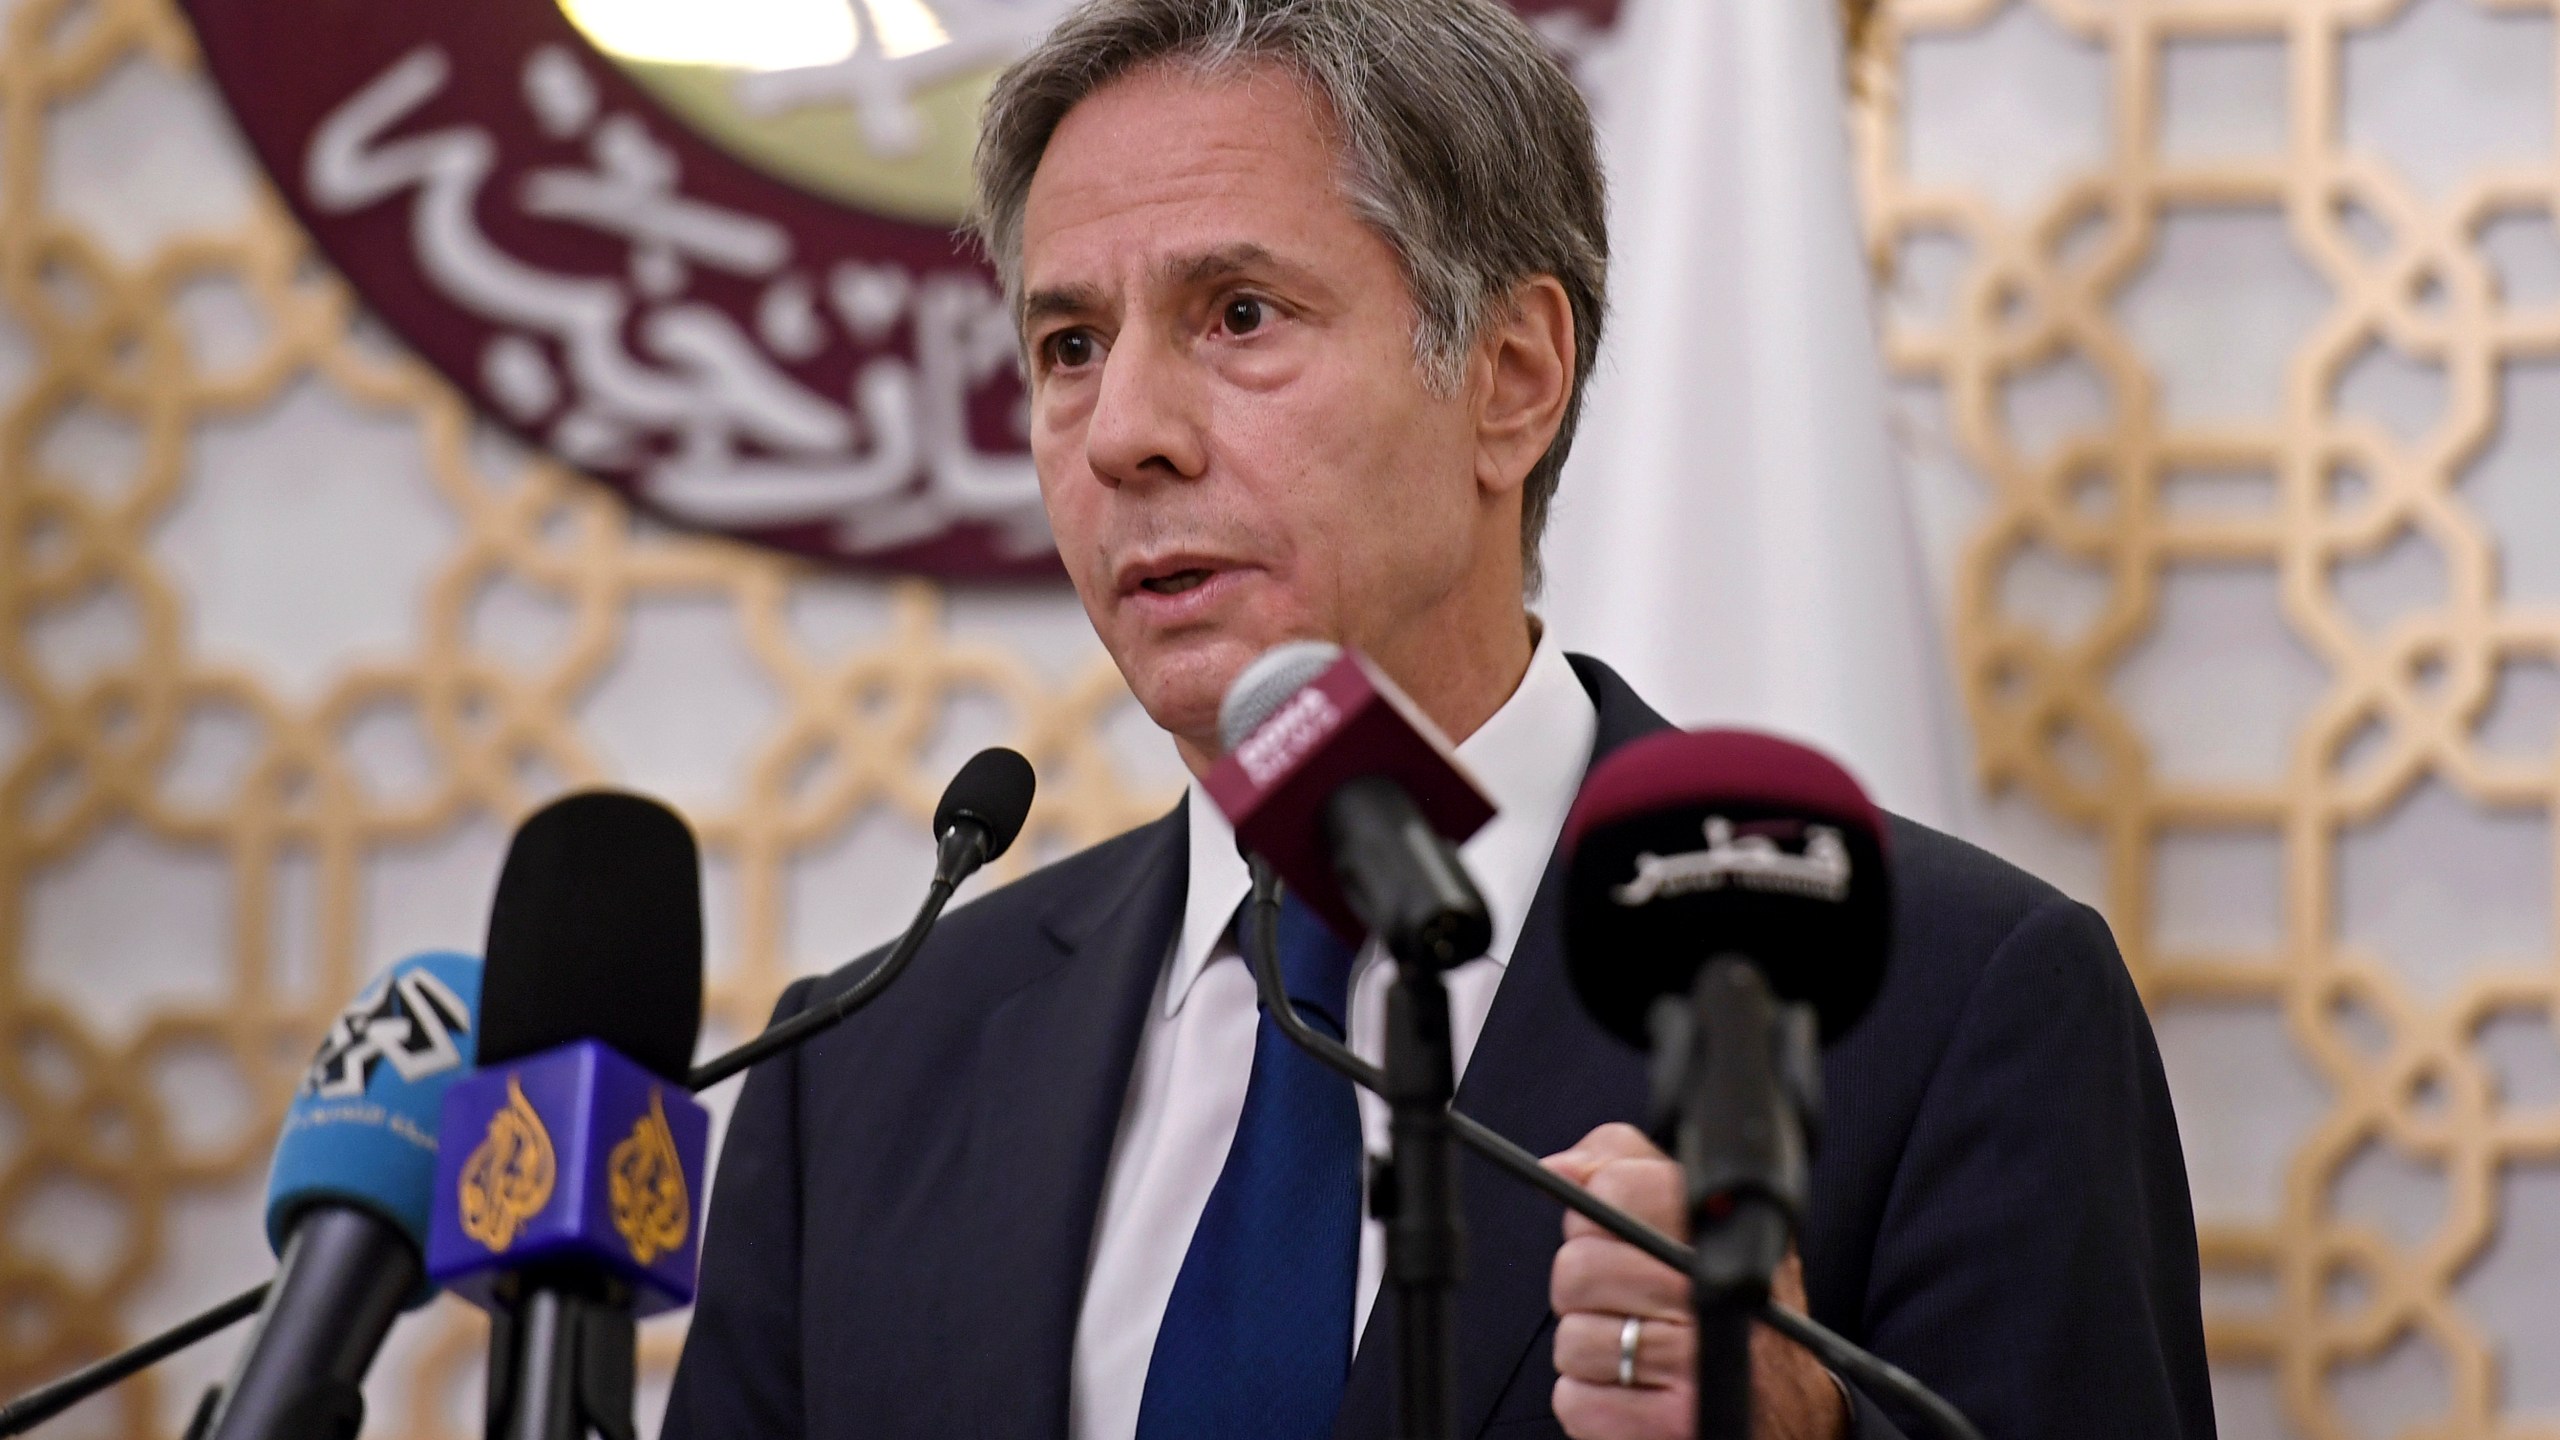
{"x":731,"y":350}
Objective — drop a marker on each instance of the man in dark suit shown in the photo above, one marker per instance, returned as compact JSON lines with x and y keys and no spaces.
{"x":1309,"y":289}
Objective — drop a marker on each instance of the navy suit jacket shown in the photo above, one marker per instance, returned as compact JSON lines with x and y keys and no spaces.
{"x":905,"y":1208}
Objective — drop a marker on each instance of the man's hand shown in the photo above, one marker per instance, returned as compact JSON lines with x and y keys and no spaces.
{"x":1600,"y":1280}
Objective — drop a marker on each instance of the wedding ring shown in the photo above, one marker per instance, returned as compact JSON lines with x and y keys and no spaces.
{"x":1630,"y":1335}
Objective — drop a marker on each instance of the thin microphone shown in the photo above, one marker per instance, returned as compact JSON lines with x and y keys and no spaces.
{"x":980,"y":816}
{"x":981,"y":813}
{"x":1355,"y":798}
{"x":347,"y":1202}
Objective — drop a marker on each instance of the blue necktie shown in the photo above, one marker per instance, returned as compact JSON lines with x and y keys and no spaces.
{"x":1256,"y":1342}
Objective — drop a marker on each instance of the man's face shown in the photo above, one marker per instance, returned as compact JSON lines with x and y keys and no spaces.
{"x":1234,"y":442}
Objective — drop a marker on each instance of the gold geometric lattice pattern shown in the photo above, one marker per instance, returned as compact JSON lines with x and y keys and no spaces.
{"x":153,"y":367}
{"x":2334,"y":440}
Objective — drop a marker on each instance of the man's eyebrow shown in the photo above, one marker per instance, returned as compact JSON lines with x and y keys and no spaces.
{"x":1181,"y":271}
{"x":1222,"y":263}
{"x":1059,"y":300}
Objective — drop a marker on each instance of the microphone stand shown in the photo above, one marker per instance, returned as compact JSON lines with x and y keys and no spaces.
{"x":1739,"y":1075}
{"x":963,"y":848}
{"x":1416,"y":1194}
{"x":1870,"y":1373}
{"x":563,"y":1358}
{"x":1415,"y":1190}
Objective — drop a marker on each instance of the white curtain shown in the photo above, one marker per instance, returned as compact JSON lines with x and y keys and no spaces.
{"x":1732,"y":532}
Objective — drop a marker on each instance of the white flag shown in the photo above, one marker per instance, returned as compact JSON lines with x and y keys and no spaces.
{"x":1732,"y":533}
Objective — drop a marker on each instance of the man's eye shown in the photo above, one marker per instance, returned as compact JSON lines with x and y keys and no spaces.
{"x":1071,"y":348}
{"x":1244,"y":315}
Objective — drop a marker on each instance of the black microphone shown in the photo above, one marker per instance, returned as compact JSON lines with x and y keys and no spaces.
{"x":981,"y":813}
{"x":1726,"y":893}
{"x":568,"y":1188}
{"x":561,"y":1346}
{"x":596,"y":934}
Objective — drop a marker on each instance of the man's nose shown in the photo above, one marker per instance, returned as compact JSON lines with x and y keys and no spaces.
{"x":1147,"y":417}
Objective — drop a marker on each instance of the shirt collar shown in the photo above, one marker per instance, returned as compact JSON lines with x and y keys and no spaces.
{"x":1529,"y":758}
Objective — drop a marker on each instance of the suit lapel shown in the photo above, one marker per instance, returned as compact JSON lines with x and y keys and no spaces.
{"x":1051,"y":1078}
{"x":1542,"y":1075}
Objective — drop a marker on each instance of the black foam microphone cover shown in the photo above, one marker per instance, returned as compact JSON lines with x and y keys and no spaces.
{"x":596,"y":934}
{"x":993,"y":791}
{"x":1685,"y":845}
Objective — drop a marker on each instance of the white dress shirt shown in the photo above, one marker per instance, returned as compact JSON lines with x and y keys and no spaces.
{"x":1196,"y":1052}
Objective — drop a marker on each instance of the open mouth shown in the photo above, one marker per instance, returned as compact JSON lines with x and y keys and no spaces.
{"x":1175,"y":583}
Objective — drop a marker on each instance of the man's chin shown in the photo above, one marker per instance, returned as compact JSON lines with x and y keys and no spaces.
{"x":1181,"y":686}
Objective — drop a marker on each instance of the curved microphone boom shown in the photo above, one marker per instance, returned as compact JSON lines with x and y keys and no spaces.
{"x":981,"y":813}
{"x":46,"y":1401}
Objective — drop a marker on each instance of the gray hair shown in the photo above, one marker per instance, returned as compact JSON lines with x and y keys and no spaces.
{"x":1465,"y":146}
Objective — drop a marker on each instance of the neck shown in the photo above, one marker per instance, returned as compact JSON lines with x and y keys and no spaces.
{"x":1460,"y":681}
{"x":1459,"y":678}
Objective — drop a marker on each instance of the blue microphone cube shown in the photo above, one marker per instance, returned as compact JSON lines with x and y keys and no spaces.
{"x":576,"y":1156}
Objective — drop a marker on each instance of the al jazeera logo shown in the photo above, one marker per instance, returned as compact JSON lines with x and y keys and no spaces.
{"x":510,"y":1173}
{"x":645,"y":1182}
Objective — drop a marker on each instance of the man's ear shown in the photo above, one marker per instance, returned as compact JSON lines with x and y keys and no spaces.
{"x":1524,"y":368}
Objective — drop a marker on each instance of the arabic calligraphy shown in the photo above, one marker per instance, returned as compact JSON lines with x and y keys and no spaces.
{"x":652,"y":1210}
{"x":639,"y":372}
{"x":509,"y":1175}
{"x":1747,"y":862}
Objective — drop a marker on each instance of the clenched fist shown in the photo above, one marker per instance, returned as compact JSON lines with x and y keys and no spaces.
{"x":1601,"y":1280}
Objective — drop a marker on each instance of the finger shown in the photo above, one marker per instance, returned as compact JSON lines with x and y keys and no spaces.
{"x":1610,"y":1412}
{"x":1648,"y":1187}
{"x":1587,"y":1348}
{"x":1602,"y":1276}
{"x":1613,"y":1141}
{"x":1574,"y":1165}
